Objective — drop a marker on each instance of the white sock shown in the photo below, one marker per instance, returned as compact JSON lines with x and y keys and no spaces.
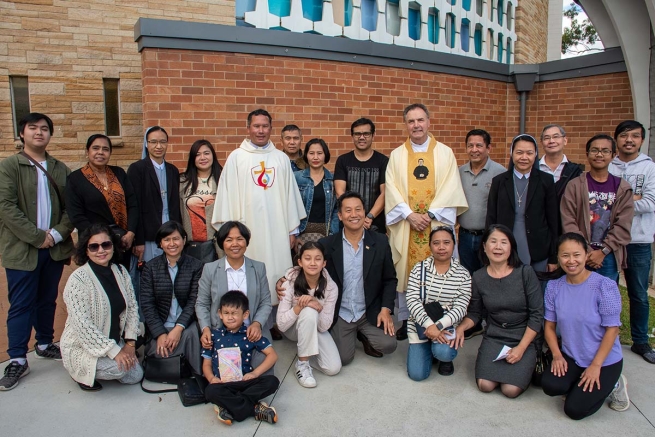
{"x":20,"y":361}
{"x":42,"y":347}
{"x":300,"y":363}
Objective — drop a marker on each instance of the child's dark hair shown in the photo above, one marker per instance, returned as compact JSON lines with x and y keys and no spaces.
{"x":300,"y":285}
{"x":234,"y":299}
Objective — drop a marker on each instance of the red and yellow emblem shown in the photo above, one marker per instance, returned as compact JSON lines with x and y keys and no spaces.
{"x":263,"y":176}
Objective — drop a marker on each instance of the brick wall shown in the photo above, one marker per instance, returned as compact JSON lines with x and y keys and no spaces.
{"x":66,"y":48}
{"x":531,"y":32}
{"x":208,"y":95}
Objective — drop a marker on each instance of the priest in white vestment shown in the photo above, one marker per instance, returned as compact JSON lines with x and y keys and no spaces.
{"x":257,"y":188}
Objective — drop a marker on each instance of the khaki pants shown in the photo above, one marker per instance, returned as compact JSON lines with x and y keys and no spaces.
{"x":319,"y":346}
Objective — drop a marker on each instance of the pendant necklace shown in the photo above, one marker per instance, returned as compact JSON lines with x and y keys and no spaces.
{"x":520,"y":196}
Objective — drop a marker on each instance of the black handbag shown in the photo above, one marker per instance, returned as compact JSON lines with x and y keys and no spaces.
{"x":169,"y":370}
{"x":202,"y":250}
{"x":117,"y":231}
{"x":433,"y":309}
{"x":192,"y":391}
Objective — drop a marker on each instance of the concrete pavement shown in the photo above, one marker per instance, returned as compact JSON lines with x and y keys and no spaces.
{"x":370,"y":397}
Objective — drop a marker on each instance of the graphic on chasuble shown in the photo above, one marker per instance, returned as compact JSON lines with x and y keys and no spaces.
{"x":421,"y":171}
{"x":263,"y":176}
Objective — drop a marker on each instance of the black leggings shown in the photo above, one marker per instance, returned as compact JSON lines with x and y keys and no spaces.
{"x":580,"y":404}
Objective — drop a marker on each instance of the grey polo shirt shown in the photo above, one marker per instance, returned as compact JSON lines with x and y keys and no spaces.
{"x":476,"y":189}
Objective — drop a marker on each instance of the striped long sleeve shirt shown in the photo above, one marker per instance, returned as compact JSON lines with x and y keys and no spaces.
{"x":452,"y":290}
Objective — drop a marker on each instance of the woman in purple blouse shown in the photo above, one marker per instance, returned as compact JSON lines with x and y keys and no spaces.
{"x":586,"y":307}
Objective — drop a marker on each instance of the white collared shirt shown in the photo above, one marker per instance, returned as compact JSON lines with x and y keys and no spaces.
{"x":520,"y":175}
{"x":236,"y":280}
{"x":557,"y":173}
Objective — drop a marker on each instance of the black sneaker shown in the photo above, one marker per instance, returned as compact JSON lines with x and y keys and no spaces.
{"x":265,"y":413}
{"x":646,"y":352}
{"x":51,"y":352}
{"x":223,"y":415}
{"x":13,"y":372}
{"x":472,"y":332}
{"x":446,"y":368}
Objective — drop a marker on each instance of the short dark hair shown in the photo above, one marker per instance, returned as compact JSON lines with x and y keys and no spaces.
{"x":33,"y":117}
{"x":167,"y":229}
{"x":629,"y":125}
{"x":323,"y":145}
{"x":81,"y":257}
{"x":156,"y":129}
{"x":513,"y":260}
{"x":572,"y":236}
{"x":257,"y":112}
{"x":94,"y":137}
{"x":550,"y":126}
{"x":349,"y":195}
{"x":601,"y":137}
{"x":442,"y":228}
{"x":289,"y":128}
{"x":416,"y":106}
{"x":479,"y":132}
{"x":235,"y":299}
{"x":362,"y":122}
{"x":225,"y":229}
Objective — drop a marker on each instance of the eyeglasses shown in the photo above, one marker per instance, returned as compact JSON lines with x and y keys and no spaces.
{"x":554,"y":137}
{"x":604,"y":152}
{"x":362,"y":134}
{"x":155,"y":142}
{"x":94,"y":247}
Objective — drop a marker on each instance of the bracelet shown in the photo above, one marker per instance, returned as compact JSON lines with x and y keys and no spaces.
{"x":130,"y":343}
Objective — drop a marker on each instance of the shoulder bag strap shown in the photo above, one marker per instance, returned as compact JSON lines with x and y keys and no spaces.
{"x":48,"y":175}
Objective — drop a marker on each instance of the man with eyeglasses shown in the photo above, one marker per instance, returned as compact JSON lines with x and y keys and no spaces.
{"x":476,"y":176}
{"x":362,"y":171}
{"x":599,"y":206}
{"x":639,"y":170}
{"x":417,"y":201}
{"x":554,"y":161}
{"x":35,"y":242}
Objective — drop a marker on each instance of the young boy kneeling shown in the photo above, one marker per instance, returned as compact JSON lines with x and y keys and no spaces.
{"x":237,"y":395}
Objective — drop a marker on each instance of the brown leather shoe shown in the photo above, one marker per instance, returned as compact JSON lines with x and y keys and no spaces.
{"x":276,"y":334}
{"x":368,"y":349}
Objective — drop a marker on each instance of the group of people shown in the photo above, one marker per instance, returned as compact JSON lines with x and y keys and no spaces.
{"x":522,"y":254}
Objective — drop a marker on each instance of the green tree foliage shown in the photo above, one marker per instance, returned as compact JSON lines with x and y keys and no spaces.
{"x":580,"y":36}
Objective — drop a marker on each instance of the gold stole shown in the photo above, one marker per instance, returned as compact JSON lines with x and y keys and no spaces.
{"x":420,"y":192}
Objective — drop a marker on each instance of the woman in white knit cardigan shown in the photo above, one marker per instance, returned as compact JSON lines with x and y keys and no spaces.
{"x":99,"y":337}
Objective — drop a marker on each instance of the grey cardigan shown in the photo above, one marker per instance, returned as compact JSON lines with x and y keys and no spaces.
{"x":213,"y":285}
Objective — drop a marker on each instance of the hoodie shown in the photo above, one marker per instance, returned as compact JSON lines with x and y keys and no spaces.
{"x":640,"y":174}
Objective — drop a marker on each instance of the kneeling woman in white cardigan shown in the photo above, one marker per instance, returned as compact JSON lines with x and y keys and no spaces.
{"x":306,"y":312}
{"x":102,"y":310}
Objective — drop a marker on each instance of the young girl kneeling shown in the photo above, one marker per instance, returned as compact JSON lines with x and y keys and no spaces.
{"x":306,"y":313}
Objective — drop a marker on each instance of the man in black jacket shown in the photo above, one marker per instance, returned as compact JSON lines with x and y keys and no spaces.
{"x":554,"y":161}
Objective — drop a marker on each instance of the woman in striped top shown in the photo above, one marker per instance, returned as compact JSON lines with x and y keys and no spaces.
{"x":430,"y":330}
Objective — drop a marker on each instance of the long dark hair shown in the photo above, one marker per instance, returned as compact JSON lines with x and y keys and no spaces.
{"x":513,"y":260}
{"x":300,"y":285}
{"x":191,"y":173}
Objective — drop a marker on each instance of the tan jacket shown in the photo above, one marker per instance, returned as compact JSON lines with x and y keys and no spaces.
{"x":574,"y":210}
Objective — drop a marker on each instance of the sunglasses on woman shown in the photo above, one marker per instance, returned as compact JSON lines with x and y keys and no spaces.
{"x":94,"y":247}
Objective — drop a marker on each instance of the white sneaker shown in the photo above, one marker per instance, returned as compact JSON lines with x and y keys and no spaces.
{"x":304,"y":374}
{"x":619,"y":400}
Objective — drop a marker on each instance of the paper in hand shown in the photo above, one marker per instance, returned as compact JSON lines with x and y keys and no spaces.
{"x":229,"y":364}
{"x":503,"y":353}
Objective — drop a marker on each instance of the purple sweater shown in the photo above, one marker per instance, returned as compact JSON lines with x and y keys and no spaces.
{"x":582,"y":312}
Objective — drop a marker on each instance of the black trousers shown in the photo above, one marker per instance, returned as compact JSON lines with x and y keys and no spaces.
{"x":240,"y":398}
{"x":580,"y":404}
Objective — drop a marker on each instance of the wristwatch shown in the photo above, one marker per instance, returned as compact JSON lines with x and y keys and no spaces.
{"x":606,"y":250}
{"x":370,"y":216}
{"x":433,"y":218}
{"x":439,"y":326}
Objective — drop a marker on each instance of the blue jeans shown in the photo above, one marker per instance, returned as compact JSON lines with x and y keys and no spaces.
{"x":469,"y":246}
{"x":419,"y":358}
{"x":609,"y":269}
{"x":32,"y":303}
{"x":636,"y":279}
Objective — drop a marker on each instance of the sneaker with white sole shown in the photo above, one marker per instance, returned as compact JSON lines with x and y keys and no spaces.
{"x":619,"y":400}
{"x":51,"y":352}
{"x":13,"y":372}
{"x":304,"y":374}
{"x":223,"y":415}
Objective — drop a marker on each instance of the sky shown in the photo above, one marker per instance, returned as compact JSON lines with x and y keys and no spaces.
{"x":566,"y":22}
